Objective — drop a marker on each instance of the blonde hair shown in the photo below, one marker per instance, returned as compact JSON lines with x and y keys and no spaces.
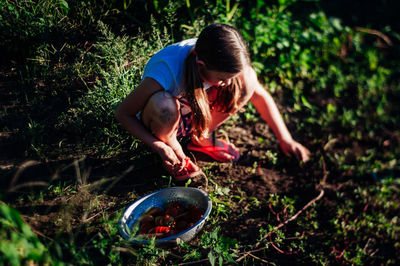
{"x":222,"y":48}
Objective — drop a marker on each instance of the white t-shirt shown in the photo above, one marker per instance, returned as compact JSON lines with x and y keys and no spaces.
{"x":166,"y":66}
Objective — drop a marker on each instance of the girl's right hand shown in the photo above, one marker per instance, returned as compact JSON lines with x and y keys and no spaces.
{"x":168,"y":156}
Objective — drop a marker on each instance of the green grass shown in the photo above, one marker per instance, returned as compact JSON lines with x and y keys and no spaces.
{"x":70,"y":63}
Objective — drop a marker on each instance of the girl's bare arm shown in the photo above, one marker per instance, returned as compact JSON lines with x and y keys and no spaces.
{"x":268,"y":110}
{"x":133,"y":103}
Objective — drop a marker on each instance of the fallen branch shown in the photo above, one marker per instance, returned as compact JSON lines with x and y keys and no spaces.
{"x":29,"y":184}
{"x":322,"y":192}
{"x":339,"y":254}
{"x":85,"y":221}
{"x":257,"y":258}
{"x":21,"y":168}
{"x":201,"y":174}
{"x":273,"y":212}
{"x":206,"y":180}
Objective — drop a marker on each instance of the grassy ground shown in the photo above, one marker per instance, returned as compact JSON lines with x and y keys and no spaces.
{"x":68,"y":170}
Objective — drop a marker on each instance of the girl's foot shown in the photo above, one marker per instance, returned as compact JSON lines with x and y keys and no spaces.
{"x":221,"y":152}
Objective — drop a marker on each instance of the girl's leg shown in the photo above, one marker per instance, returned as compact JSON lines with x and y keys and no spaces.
{"x":218,"y":118}
{"x":161,"y":116}
{"x":225,"y":151}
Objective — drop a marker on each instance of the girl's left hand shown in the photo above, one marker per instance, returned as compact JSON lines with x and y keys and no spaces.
{"x":293,"y":147}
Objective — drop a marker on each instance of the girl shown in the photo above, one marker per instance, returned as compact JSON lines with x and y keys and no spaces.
{"x":189,"y":89}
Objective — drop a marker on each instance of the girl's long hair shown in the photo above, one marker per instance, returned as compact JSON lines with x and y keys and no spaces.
{"x":222,"y":48}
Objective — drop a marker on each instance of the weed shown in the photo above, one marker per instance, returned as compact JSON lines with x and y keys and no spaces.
{"x":219,"y":247}
{"x":19,"y":245}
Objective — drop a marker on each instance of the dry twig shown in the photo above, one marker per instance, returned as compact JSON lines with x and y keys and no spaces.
{"x":21,"y":168}
{"x":376,"y":33}
{"x":29,"y":184}
{"x":192,"y":262}
{"x":257,"y":258}
{"x":280,"y":250}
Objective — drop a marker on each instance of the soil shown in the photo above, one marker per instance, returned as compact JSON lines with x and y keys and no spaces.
{"x":110,"y":184}
{"x":125,"y":179}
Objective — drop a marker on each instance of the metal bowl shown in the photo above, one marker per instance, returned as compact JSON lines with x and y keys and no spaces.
{"x":159,"y":199}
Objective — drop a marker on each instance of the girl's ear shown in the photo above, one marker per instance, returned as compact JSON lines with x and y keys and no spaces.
{"x":200,"y":63}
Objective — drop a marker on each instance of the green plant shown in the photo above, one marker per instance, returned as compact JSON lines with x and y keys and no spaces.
{"x":221,"y":204}
{"x":68,"y":65}
{"x":25,"y":22}
{"x":18,"y":244}
{"x":118,"y":74}
{"x":219,"y":247}
{"x":358,"y":225}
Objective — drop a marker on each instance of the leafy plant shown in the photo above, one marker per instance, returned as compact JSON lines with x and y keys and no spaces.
{"x":118,"y":73}
{"x":220,"y":247}
{"x":18,"y":244}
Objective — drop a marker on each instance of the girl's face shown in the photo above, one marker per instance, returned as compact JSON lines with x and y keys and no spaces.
{"x":216,"y":78}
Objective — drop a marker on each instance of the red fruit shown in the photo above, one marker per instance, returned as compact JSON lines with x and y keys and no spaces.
{"x":168,"y":219}
{"x":159,"y":230}
{"x":162,"y":229}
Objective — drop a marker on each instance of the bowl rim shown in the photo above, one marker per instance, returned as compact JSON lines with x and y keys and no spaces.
{"x":125,"y":215}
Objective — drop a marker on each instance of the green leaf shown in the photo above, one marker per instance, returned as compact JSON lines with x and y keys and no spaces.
{"x":330,"y":108}
{"x":336,"y":23}
{"x":211,"y":257}
{"x":306,"y":103}
{"x":64,"y":6}
{"x":10,"y":251}
{"x":220,"y":260}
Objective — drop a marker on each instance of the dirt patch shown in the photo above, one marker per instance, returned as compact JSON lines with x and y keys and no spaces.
{"x":83,"y":191}
{"x":121,"y":179}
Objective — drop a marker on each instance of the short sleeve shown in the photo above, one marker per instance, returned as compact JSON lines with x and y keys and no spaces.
{"x":162,"y":73}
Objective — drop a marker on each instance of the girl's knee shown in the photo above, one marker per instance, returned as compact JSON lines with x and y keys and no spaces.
{"x":166,"y":108}
{"x":161,"y":111}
